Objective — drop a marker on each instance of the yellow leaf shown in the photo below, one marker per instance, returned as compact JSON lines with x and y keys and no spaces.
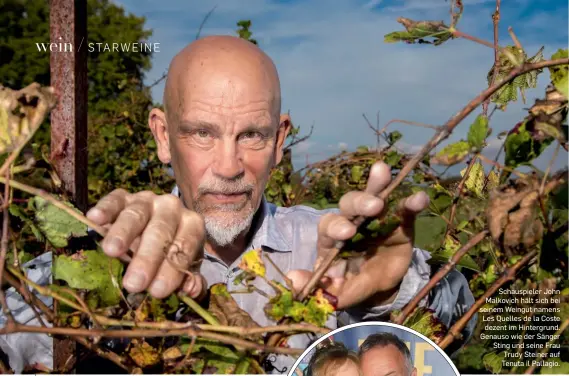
{"x":451,"y":245}
{"x":493,"y":180}
{"x":143,"y":354}
{"x":251,"y":262}
{"x":172,"y":353}
{"x":323,"y":302}
{"x":75,"y":321}
{"x":475,"y":180}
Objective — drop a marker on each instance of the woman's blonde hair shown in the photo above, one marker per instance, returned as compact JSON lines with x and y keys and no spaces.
{"x":328,"y":359}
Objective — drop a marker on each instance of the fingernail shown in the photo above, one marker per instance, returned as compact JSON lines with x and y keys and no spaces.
{"x":371,"y":203}
{"x":94,"y":213}
{"x":340,"y":229}
{"x":134,"y":281}
{"x":114,"y":246}
{"x":419,"y":201}
{"x":158,"y":287}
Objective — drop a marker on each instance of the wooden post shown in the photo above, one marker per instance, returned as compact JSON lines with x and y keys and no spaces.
{"x":68,"y":70}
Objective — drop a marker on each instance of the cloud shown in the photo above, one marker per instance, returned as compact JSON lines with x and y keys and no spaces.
{"x":334,"y":65}
{"x":303,"y":147}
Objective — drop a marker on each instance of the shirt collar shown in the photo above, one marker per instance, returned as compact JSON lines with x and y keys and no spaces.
{"x":266,"y":230}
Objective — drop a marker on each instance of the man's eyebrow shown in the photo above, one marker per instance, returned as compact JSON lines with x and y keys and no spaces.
{"x":261,"y":128}
{"x":186,"y":126}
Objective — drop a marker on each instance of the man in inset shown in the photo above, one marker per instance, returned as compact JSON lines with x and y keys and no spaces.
{"x":384,"y":354}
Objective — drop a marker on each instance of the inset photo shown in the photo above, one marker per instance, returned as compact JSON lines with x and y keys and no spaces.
{"x":373,"y":349}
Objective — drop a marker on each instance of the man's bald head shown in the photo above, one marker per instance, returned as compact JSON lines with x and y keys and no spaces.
{"x":221,"y":64}
{"x":221,"y":132}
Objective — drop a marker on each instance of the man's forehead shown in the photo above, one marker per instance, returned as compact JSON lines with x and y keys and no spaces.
{"x":233,"y":78}
{"x":217,"y":105}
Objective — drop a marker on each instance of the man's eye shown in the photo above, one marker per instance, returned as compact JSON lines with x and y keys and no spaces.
{"x":251,"y":135}
{"x":202,"y":134}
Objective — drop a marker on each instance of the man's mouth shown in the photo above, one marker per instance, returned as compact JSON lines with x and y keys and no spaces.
{"x":228,"y":197}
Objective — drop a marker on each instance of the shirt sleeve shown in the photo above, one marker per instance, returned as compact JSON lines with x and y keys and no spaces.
{"x":416,"y":278}
{"x":449,"y":299}
{"x":24,"y":349}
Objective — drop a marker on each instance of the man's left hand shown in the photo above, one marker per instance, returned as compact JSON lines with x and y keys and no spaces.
{"x":373,"y":278}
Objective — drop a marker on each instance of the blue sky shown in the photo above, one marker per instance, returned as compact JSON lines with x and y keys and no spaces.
{"x":334,"y":65}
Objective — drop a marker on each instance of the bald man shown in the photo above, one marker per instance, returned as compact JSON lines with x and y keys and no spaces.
{"x":222,"y":133}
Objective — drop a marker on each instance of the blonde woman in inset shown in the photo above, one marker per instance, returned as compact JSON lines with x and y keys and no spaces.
{"x":334,"y":359}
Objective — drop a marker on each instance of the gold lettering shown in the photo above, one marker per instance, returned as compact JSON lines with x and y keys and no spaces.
{"x":420,"y":348}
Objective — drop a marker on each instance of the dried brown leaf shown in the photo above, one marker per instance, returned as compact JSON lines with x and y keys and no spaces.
{"x":512,"y":214}
{"x":227,"y":312}
{"x":21,"y":114}
{"x":523,"y":225}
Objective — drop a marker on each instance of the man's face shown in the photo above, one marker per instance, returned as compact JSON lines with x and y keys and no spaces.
{"x":385,"y":361}
{"x":223,"y":144}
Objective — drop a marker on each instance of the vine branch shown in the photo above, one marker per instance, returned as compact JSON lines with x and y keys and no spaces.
{"x":442,"y":134}
{"x":508,"y":275}
{"x":443,"y":271}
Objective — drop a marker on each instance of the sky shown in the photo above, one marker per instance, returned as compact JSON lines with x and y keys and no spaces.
{"x":334,"y":65}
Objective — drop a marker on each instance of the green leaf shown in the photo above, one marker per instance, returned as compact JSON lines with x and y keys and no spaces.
{"x":478,"y":132}
{"x":424,"y":321}
{"x":452,"y":154}
{"x":521,"y":148}
{"x":462,"y":225}
{"x":16,"y":211}
{"x":559,"y":73}
{"x":362,"y":149}
{"x":509,"y":92}
{"x":356,"y":173}
{"x":392,"y":158}
{"x":287,"y":189}
{"x":172,"y":302}
{"x":429,"y":231}
{"x":469,"y":357}
{"x":398,"y":36}
{"x":493,"y":361}
{"x":211,"y":346}
{"x":315,"y":311}
{"x":319,"y":307}
{"x":91,"y":270}
{"x":418,"y":177}
{"x":393,"y":137}
{"x":55,"y":224}
{"x":449,"y":249}
{"x":23,"y":257}
{"x":430,"y":32}
{"x":283,"y":305}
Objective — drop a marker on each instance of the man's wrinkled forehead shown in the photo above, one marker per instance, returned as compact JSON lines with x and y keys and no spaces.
{"x":234,"y":79}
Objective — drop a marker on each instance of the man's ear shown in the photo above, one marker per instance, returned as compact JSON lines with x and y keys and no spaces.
{"x":285,"y":125}
{"x":414,"y":372}
{"x":159,"y":127}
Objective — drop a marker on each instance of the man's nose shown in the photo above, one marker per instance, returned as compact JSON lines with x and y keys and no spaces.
{"x":228,"y":161}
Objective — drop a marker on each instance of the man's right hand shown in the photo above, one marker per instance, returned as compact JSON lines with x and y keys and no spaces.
{"x":167,"y":240}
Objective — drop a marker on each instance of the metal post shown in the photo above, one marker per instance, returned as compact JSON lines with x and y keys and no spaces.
{"x":68,"y":69}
